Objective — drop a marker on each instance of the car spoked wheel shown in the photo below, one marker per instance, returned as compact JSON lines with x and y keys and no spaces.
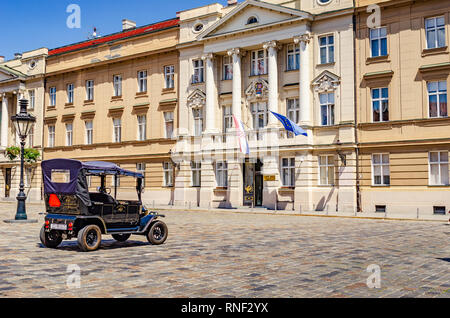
{"x":89,"y":238}
{"x":158,"y":233}
{"x":50,"y":239}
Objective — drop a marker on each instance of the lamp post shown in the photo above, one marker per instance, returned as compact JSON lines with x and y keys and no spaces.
{"x":23,"y":123}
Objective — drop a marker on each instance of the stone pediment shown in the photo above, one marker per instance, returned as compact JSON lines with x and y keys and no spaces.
{"x":260,"y":13}
{"x":326,"y":82}
{"x":196,"y":99}
{"x":7,"y":74}
{"x":258,"y":89}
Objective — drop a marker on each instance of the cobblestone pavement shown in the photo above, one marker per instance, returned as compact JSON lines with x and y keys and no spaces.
{"x":235,"y":255}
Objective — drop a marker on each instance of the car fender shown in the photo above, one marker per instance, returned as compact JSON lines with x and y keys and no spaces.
{"x":146,"y":221}
{"x":97,"y":220}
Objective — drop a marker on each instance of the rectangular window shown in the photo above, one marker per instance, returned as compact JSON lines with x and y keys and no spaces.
{"x":197,"y":113}
{"x":326,"y":47}
{"x":31,"y":137}
{"x":117,"y":80}
{"x":326,"y":170}
{"x":293,"y":57}
{"x":52,"y":96}
{"x":140,"y":168}
{"x":51,"y":136}
{"x":168,"y":174}
{"x":169,"y":76}
{"x":378,"y":42}
{"x":199,"y":72}
{"x":222,"y":174}
{"x":437,"y":99}
{"x":69,"y":93}
{"x":259,"y":63}
{"x":380,"y":104}
{"x":438,"y":162}
{"x":435,"y":31}
{"x":439,"y":210}
{"x":196,"y":168}
{"x":142,"y":81}
{"x":89,"y":132}
{"x":32,"y":96}
{"x":380,"y":208}
{"x":117,"y":130}
{"x":227,"y":68}
{"x":327,"y":109}
{"x":69,"y":134}
{"x":288,"y":172}
{"x":90,"y":90}
{"x":380,"y":169}
{"x":293,"y":109}
{"x":168,"y":120}
{"x":227,"y":118}
{"x":259,"y":114}
{"x":142,"y":127}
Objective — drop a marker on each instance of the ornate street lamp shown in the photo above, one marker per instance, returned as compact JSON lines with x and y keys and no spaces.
{"x":23,"y":123}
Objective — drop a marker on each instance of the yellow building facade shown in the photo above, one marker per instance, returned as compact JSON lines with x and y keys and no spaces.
{"x":115,"y":99}
{"x":402,"y":70}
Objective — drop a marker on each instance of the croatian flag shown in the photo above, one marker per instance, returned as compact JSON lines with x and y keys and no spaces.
{"x":243,"y":143}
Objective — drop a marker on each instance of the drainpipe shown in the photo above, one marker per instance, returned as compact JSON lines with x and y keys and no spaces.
{"x":358,"y":189}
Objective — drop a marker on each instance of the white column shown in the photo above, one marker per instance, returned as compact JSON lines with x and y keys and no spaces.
{"x":5,"y":120}
{"x":237,"y":82}
{"x":271,"y":47}
{"x":305,"y":79}
{"x":210,"y":116}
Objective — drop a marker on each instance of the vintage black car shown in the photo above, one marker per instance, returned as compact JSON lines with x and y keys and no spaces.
{"x":74,"y":212}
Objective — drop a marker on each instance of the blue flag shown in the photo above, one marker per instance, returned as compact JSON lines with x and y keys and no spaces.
{"x":290,"y":125}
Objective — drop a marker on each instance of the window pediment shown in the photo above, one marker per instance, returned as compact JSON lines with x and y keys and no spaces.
{"x":326,"y":82}
{"x":258,"y":89}
{"x":196,"y":99}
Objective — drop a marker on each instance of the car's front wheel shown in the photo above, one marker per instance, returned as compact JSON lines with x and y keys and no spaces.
{"x":121,"y":237}
{"x":158,"y":233}
{"x":50,"y":239}
{"x":89,"y":238}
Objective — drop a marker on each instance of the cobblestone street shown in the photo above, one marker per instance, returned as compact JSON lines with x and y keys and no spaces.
{"x":219,"y":254}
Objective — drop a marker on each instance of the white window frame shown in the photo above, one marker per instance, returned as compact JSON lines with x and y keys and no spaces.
{"x":221,"y":169}
{"x":52,"y":94}
{"x":31,"y":137}
{"x":117,"y":130}
{"x":227,"y":115}
{"x":196,"y":176}
{"x":142,"y":81}
{"x":255,"y":60}
{"x":117,"y":85}
{"x":382,"y":165}
{"x":168,"y":122}
{"x":288,"y":172}
{"x":380,"y":100}
{"x":32,"y":96}
{"x":436,"y":30}
{"x":142,"y":127}
{"x":328,"y":165}
{"x":257,"y":110}
{"x":197,"y":114}
{"x":198,"y":74}
{"x":440,"y":163}
{"x":168,"y":174}
{"x":89,"y":90}
{"x":69,"y":91}
{"x":69,"y":134}
{"x":51,"y":136}
{"x":439,"y":95}
{"x":89,"y":132}
{"x":293,"y":51}
{"x":378,"y":38}
{"x":227,"y":68}
{"x":330,"y":106}
{"x":140,"y":168}
{"x":169,"y":76}
{"x":327,"y":46}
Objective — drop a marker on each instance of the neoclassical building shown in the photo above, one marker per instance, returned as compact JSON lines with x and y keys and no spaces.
{"x":403,"y":76}
{"x":114,"y":98}
{"x":21,"y":77}
{"x":250,"y":59}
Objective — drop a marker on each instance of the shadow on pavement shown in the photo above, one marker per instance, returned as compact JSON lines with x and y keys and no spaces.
{"x":72,"y":246}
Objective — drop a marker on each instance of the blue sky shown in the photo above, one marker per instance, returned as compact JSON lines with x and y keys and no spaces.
{"x":30,"y":24}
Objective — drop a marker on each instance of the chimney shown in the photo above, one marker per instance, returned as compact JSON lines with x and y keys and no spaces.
{"x":128,"y":24}
{"x":2,"y":58}
{"x":17,"y":56}
{"x":232,"y":2}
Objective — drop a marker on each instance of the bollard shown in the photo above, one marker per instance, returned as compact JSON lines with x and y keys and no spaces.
{"x":276,"y":206}
{"x":417,"y":213}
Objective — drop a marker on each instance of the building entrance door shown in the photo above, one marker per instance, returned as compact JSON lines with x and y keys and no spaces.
{"x":7,"y":182}
{"x":253,"y":183}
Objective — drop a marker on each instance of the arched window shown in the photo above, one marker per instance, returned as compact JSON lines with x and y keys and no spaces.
{"x":252,"y":20}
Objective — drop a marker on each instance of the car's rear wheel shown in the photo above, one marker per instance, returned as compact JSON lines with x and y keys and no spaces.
{"x":158,"y":233}
{"x":50,"y":239}
{"x":121,"y":237}
{"x":90,"y":238}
